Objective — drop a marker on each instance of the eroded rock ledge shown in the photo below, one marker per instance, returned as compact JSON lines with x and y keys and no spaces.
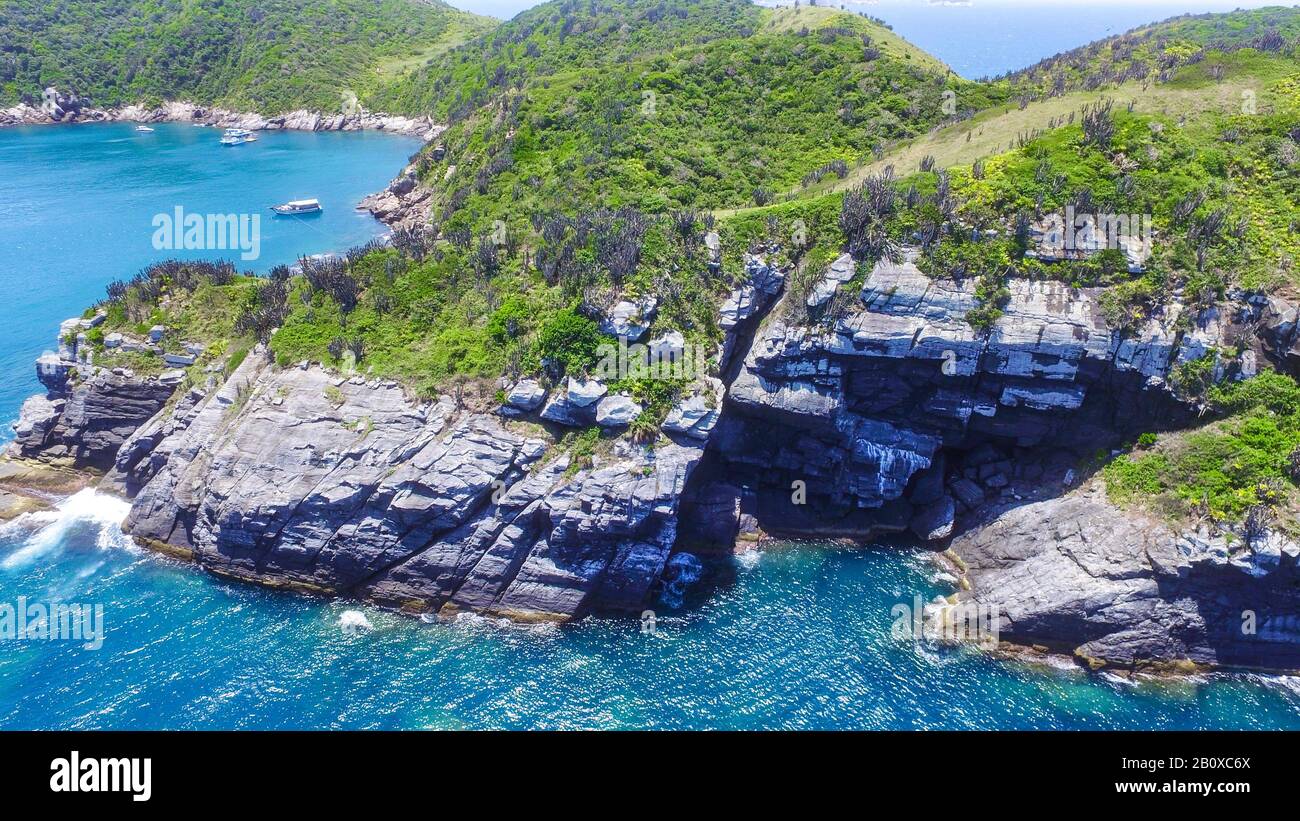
{"x":296,"y":478}
{"x":899,"y":414}
{"x":1079,"y":576}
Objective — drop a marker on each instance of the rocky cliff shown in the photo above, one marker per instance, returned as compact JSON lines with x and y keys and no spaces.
{"x":1078,"y":576}
{"x":84,"y":424}
{"x":896,"y":413}
{"x":893,"y":414}
{"x":299,"y":478}
{"x":878,"y":410}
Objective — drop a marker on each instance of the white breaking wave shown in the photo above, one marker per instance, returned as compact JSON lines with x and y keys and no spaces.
{"x":354,"y":621}
{"x":85,"y":511}
{"x":1291,"y":684}
{"x":749,"y":559}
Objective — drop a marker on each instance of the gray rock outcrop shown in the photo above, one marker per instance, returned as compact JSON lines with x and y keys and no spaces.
{"x":86,"y":425}
{"x":65,"y":108}
{"x":859,"y":407}
{"x":295,"y":478}
{"x":1076,"y":575}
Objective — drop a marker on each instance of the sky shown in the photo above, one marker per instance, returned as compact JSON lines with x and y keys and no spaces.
{"x":986,"y":38}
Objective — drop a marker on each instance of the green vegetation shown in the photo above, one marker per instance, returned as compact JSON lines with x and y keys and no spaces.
{"x":1155,"y":53}
{"x":560,"y":37}
{"x":201,"y":303}
{"x":1244,"y":464}
{"x":701,"y":109}
{"x":269,"y":56}
{"x":593,"y":146}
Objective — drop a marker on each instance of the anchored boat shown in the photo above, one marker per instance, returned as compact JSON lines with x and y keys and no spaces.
{"x":144,"y":129}
{"x":237,"y":136}
{"x":297,"y":208}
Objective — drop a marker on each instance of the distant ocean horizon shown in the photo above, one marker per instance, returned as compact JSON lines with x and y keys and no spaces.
{"x":988,"y":38}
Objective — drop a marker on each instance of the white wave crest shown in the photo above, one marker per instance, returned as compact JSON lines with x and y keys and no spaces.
{"x":354,"y":621}
{"x":86,"y":513}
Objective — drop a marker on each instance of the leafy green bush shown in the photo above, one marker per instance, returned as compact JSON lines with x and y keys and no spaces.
{"x":569,"y":341}
{"x":1225,"y":469}
{"x":270,"y":56}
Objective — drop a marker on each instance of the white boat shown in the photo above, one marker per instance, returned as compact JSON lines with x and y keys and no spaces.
{"x":144,"y":129}
{"x":237,"y":136}
{"x":297,"y":207}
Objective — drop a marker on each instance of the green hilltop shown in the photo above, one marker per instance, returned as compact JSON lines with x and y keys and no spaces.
{"x":268,"y":56}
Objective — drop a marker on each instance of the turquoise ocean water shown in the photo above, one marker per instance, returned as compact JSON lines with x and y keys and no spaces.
{"x":797,"y":638}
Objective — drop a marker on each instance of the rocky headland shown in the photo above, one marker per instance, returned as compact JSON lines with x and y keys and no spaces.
{"x":891,"y":417}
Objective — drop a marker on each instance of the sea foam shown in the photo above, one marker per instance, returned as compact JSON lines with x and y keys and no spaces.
{"x":86,"y":511}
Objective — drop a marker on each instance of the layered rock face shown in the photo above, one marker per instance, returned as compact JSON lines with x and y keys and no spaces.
{"x":342,"y":486}
{"x":1077,"y":575}
{"x":898,"y":413}
{"x":86,"y":424}
{"x":403,"y":204}
{"x":892,"y":415}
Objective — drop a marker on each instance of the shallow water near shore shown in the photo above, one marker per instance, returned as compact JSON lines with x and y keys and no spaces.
{"x":798,"y":637}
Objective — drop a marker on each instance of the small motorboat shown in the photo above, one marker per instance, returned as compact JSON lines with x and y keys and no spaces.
{"x":144,"y":129}
{"x":237,"y":136}
{"x":295,"y":208}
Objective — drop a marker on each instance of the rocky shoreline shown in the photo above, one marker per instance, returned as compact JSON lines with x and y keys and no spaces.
{"x":64,"y":109}
{"x":894,"y":417}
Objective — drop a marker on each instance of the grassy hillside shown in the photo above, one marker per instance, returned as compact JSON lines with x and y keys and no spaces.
{"x":263,"y":55}
{"x":575,"y":182}
{"x":789,"y":96}
{"x":1152,"y":54}
{"x":559,"y":37}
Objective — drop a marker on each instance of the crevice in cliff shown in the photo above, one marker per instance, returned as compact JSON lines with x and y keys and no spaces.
{"x":1011,"y":431}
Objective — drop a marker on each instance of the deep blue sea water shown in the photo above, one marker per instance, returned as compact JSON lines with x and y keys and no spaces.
{"x":797,"y":638}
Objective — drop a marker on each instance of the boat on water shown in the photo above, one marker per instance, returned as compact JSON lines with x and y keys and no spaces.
{"x":237,"y":136}
{"x":297,"y":208}
{"x":144,"y":129}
